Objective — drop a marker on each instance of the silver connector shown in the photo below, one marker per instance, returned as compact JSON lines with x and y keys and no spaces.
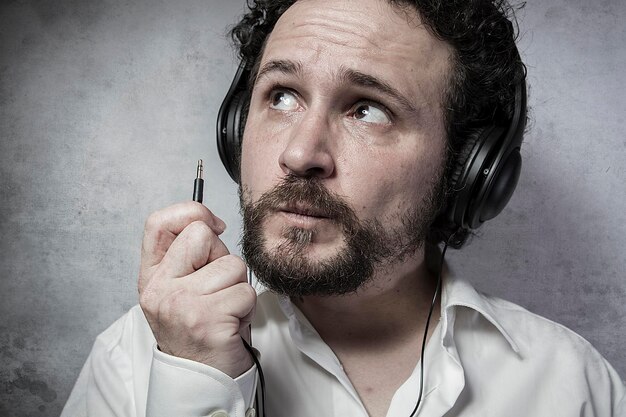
{"x":200,"y":169}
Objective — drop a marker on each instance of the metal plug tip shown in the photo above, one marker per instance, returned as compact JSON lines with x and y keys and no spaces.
{"x":200,"y":169}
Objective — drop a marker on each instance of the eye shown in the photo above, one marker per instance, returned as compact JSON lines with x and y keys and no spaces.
{"x":283,"y":100}
{"x":370,"y":113}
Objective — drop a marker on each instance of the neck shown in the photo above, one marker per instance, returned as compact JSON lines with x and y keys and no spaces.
{"x":392,"y":307}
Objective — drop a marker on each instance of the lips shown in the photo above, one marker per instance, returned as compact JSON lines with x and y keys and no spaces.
{"x":304,"y":209}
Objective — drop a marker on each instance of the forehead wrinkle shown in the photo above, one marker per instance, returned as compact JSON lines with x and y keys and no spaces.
{"x":338,"y":19}
{"x":340,"y":34}
{"x":308,"y":28}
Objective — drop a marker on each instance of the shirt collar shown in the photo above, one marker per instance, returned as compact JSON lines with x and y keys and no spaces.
{"x":456,"y":293}
{"x":459,"y":293}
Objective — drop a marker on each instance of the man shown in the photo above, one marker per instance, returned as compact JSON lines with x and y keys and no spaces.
{"x":357,"y":116}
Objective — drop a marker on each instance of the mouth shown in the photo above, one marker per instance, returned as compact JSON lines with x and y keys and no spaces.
{"x":304,"y":210}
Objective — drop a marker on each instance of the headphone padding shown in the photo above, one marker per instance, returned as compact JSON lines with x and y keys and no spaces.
{"x":503,"y":186}
{"x":461,"y":159}
{"x":466,"y":172}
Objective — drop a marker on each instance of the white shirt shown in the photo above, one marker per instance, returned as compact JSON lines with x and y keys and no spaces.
{"x":486,"y":357}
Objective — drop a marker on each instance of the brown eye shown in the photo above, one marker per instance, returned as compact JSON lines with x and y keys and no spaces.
{"x":370,"y":113}
{"x":283,"y":100}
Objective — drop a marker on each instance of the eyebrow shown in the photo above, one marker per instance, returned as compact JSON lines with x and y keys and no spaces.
{"x":283,"y":66}
{"x":346,"y":75}
{"x":354,"y":77}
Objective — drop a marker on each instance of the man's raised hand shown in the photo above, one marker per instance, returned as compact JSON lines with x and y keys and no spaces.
{"x":193,"y":293}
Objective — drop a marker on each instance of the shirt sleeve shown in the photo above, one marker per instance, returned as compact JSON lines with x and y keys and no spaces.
{"x":183,"y":387}
{"x":621,"y":407}
{"x":126,"y":376}
{"x":607,"y":394}
{"x":618,"y":392}
{"x":104,"y":387}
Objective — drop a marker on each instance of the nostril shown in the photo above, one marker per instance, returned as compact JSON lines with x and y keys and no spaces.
{"x":307,"y":163}
{"x":309,"y":151}
{"x":315,"y":172}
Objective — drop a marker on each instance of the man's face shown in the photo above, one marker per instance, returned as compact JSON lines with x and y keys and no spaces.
{"x":344,"y":145}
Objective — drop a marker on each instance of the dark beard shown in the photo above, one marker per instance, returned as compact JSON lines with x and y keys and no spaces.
{"x":368,"y":245}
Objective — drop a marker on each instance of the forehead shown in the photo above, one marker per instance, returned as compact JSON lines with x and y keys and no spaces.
{"x":369,"y":36}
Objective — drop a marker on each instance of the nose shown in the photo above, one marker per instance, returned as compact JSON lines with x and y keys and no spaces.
{"x":309,"y":151}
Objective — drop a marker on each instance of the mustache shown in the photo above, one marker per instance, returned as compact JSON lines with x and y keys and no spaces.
{"x":308,"y":191}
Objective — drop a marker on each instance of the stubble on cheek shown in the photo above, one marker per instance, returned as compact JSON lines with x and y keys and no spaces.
{"x":287,"y":258}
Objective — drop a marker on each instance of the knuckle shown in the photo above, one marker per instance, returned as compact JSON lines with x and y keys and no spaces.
{"x":199,"y":210}
{"x":251,"y":292}
{"x":191,"y":320}
{"x":247,"y":292}
{"x":200,"y":235}
{"x":234,"y":264}
{"x":197,"y":234}
{"x":156,"y":236}
{"x":148,"y":304}
{"x":200,"y":229}
{"x":153,"y":222}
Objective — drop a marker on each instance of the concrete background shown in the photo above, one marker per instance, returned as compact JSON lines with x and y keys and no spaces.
{"x":106,"y":105}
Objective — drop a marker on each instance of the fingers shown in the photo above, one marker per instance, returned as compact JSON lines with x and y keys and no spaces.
{"x":192,"y":249}
{"x":163,"y":226}
{"x":235,"y":301}
{"x":220,"y":274}
{"x":193,"y":293}
{"x":226,"y":272}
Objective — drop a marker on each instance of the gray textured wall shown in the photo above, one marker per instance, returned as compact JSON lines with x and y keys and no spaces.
{"x":106,"y":105}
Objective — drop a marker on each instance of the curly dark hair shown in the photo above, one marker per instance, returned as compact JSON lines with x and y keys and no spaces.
{"x":481,"y":88}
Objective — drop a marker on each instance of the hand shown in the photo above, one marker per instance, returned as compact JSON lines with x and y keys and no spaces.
{"x":193,"y":293}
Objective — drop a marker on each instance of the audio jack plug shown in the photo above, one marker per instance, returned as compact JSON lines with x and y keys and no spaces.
{"x":198,"y":184}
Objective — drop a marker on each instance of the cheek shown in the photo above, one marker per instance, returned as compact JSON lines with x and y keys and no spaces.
{"x":396,"y":182}
{"x":389,"y":193}
{"x":259,"y":161}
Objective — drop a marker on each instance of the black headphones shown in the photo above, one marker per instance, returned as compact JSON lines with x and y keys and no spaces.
{"x":482,"y":182}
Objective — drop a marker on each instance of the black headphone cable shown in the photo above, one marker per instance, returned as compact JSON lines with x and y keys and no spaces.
{"x":430,"y":313}
{"x":198,"y":189}
{"x":256,"y":362}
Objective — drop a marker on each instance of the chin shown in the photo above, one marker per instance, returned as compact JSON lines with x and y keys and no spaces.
{"x":303,"y":243}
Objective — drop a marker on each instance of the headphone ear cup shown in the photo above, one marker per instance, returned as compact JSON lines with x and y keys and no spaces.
{"x":486,"y":172}
{"x":461,"y":181}
{"x":231,"y":121}
{"x":501,"y":190}
{"x":237,"y":119}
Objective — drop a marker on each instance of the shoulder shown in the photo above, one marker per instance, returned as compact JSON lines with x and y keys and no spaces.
{"x":527,"y":333}
{"x":536,"y":334}
{"x":551,"y":354}
{"x":503,"y":347}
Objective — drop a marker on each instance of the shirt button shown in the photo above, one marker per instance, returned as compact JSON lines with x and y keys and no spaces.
{"x":251,"y":412}
{"x":219,"y":413}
